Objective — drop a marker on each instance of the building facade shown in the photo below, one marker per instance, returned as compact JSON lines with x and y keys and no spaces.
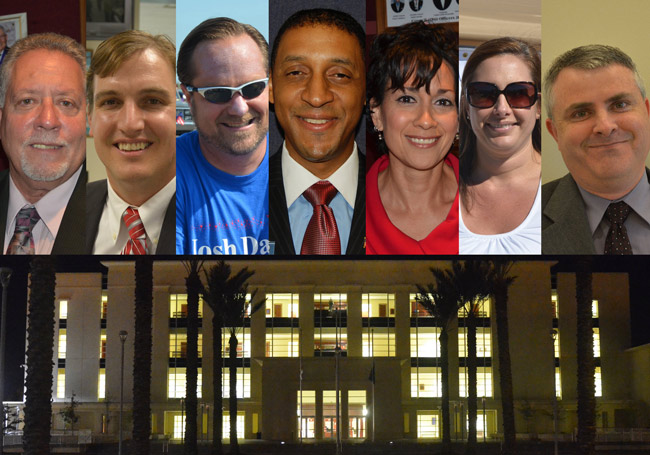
{"x":389,"y":354}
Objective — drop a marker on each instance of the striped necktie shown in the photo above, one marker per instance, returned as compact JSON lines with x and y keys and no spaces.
{"x":137,"y":243}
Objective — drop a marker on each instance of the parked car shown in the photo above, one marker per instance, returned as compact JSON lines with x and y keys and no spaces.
{"x":184,"y":120}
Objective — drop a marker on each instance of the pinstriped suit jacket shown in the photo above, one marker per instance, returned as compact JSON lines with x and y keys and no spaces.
{"x":279,"y":227}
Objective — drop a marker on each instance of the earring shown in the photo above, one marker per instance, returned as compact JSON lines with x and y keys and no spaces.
{"x":457,"y":137}
{"x":380,"y":136}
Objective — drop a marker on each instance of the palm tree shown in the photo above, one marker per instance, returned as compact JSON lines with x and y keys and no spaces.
{"x":501,"y":281}
{"x":142,"y":354}
{"x":585,"y":358}
{"x":40,"y":350}
{"x":440,"y":301}
{"x":218,"y":294}
{"x":194,"y":286}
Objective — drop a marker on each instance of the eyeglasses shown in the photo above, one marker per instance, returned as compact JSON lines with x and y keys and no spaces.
{"x":220,"y":95}
{"x":519,"y":95}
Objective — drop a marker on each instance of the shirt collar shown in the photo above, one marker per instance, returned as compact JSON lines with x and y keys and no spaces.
{"x":345,"y":179}
{"x":638,"y":199}
{"x":152,"y":212}
{"x":50,"y":207}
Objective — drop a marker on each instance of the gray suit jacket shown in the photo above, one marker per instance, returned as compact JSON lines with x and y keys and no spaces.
{"x":96,"y":195}
{"x":565,"y":228}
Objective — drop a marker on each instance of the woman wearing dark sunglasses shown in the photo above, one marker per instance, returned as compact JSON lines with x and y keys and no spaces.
{"x":412,"y":190}
{"x":500,"y":150}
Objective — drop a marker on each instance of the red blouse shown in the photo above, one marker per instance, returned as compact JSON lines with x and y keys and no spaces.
{"x":382,"y":237}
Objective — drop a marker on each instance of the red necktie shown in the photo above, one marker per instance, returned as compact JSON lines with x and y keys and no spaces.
{"x":322,"y":234}
{"x":137,"y":243}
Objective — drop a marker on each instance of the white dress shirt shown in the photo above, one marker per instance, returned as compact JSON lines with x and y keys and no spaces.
{"x":297,"y":179}
{"x":50,"y":208}
{"x":112,"y":234}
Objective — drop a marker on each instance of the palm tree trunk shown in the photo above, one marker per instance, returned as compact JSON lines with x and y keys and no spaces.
{"x":444,"y":371}
{"x":40,"y":350}
{"x":193,"y":285}
{"x":505,"y":368}
{"x":234,"y":447}
{"x":471,"y":380}
{"x":217,"y":393}
{"x":585,"y":358}
{"x":142,"y":354}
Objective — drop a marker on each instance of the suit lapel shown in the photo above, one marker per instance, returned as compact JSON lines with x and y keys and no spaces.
{"x":356,"y":242}
{"x":279,"y":227}
{"x":167,"y":240}
{"x":4,"y":205}
{"x":96,"y":194}
{"x":71,"y":238}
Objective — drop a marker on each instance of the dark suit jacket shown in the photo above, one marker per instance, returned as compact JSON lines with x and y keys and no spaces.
{"x":96,"y":198}
{"x":565,"y":228}
{"x":71,"y":238}
{"x":279,"y":227}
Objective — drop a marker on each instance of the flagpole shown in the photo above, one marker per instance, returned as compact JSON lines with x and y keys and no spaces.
{"x":300,"y":354}
{"x":372,"y":343}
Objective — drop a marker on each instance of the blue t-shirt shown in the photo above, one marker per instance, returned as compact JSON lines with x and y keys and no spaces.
{"x":219,"y":213}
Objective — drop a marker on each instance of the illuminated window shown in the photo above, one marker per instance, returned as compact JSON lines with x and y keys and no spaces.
{"x":428,"y":426}
{"x":104,"y":310}
{"x":178,"y":344}
{"x":483,"y":342}
{"x":329,"y":413}
{"x":176,"y":382}
{"x":596,"y":342}
{"x":282,"y":342}
{"x":376,"y":305}
{"x":425,"y":342}
{"x":594,"y":308}
{"x":281,"y":305}
{"x":60,"y":383}
{"x":380,"y":342}
{"x":598,"y":383}
{"x":417,"y":310}
{"x":357,"y":413}
{"x":554,"y":303}
{"x":483,"y":381}
{"x":558,"y":383}
{"x":243,"y":342}
{"x":331,"y":302}
{"x":556,"y":344}
{"x":178,"y":306}
{"x":480,"y":309}
{"x":243,"y":382}
{"x":426,"y":382}
{"x":62,"y":343}
{"x":179,"y":426}
{"x":101,"y":385}
{"x":63,"y":309}
{"x":326,"y":338}
{"x":240,"y":425}
{"x":307,"y":423}
{"x":102,"y":344}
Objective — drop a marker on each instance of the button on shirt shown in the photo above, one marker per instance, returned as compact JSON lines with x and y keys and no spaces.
{"x":637,"y":222}
{"x":297,"y":179}
{"x":113,"y":234}
{"x":50,"y":208}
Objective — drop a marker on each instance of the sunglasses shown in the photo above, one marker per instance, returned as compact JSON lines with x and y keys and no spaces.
{"x":221,"y":95}
{"x":519,"y":95}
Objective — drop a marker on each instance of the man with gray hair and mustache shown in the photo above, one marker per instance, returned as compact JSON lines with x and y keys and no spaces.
{"x":43,"y":132}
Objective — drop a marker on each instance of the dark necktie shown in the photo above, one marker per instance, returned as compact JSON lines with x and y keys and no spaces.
{"x":322,"y":234}
{"x":617,"y":241}
{"x":137,"y":243}
{"x":23,"y":242}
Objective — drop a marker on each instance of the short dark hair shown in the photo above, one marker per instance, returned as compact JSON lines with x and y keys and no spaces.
{"x":321,"y":16}
{"x":411,"y":50}
{"x":489,"y":49}
{"x":211,"y":30}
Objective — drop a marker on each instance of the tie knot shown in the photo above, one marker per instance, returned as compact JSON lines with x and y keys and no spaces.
{"x":320,"y":193}
{"x":617,"y":212}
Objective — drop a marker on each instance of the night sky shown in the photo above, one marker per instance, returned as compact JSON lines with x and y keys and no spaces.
{"x":637,"y":267}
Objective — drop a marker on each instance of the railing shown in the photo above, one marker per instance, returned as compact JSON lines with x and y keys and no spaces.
{"x":623,"y":435}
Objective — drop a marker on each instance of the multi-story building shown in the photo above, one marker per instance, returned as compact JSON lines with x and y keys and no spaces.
{"x":287,"y":366}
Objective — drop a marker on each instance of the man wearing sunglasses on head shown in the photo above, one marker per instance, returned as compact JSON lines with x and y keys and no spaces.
{"x":600,"y":117}
{"x":222,"y":168}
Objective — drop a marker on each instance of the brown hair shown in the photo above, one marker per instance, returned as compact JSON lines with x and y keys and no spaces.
{"x":489,"y":49}
{"x":212,"y":30}
{"x":112,"y":53}
{"x":47,"y":41}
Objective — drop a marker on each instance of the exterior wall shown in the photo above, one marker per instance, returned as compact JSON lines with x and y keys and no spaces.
{"x":272,"y":406}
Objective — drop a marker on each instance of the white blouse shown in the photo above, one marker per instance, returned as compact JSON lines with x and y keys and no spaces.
{"x":524,"y":239}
